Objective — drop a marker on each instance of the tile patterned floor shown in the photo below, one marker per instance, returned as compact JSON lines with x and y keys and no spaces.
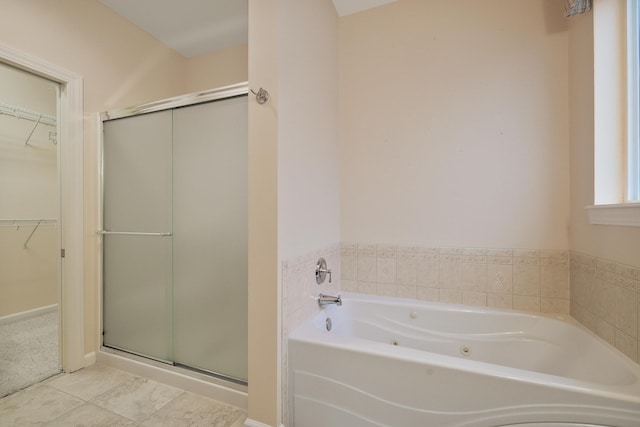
{"x":102,"y":396}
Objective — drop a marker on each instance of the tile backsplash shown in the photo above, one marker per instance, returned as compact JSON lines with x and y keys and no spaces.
{"x":523,"y":279}
{"x":299,"y":287}
{"x":605,"y":297}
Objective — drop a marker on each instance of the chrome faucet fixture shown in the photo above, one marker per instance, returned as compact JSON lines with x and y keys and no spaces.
{"x":328,"y":299}
{"x":322,"y":271}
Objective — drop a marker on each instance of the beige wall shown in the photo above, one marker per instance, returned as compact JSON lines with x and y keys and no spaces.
{"x":121,"y":64}
{"x":308,"y":160}
{"x":28,"y":189}
{"x":308,"y":157}
{"x":454,"y":124}
{"x":217,"y":69}
{"x":293,"y":183}
{"x":264,"y":293}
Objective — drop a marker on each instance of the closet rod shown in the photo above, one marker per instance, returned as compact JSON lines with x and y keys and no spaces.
{"x":23,"y":113}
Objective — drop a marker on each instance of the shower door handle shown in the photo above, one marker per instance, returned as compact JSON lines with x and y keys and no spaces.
{"x":133,"y":233}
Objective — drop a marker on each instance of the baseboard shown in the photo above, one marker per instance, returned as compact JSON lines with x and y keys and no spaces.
{"x":252,"y":423}
{"x":89,"y":359}
{"x":28,"y":314}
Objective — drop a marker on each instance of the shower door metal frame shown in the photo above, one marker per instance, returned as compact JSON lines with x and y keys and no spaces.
{"x":224,"y":92}
{"x":218,"y":94}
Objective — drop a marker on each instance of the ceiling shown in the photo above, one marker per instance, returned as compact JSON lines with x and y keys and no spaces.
{"x":196,"y":27}
{"x":191,"y":27}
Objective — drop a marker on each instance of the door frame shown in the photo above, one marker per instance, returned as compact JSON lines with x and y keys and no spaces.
{"x":70,"y":173}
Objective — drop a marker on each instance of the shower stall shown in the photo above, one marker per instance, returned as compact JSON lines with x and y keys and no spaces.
{"x":174,"y":232}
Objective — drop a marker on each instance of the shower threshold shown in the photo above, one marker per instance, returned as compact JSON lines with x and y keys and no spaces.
{"x":214,"y":386}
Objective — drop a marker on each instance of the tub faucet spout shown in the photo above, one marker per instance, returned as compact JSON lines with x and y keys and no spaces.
{"x":328,"y":299}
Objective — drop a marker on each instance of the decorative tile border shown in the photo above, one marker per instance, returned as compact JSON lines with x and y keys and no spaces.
{"x":523,"y":279}
{"x":605,"y":297}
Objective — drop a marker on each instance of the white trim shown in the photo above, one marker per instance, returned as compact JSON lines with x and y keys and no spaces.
{"x":89,"y":359}
{"x":10,"y":318}
{"x":70,"y":135}
{"x":610,"y":101}
{"x":99,"y":246}
{"x":627,"y":214}
{"x":633,"y":107}
{"x":253,"y":423}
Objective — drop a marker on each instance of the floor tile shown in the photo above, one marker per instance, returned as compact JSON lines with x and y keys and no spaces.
{"x":100,"y":396}
{"x":89,"y":382}
{"x":195,"y":411}
{"x":89,"y":415}
{"x":35,"y":406}
{"x":136,"y":398}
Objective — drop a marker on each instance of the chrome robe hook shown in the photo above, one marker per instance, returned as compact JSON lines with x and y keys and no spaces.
{"x":262,"y":95}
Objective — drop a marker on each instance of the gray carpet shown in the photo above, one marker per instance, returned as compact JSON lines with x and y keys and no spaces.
{"x":28,"y":352}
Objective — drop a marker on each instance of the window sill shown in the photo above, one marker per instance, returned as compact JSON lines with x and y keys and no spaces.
{"x":627,"y":214}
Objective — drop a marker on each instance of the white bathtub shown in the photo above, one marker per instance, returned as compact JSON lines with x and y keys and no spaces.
{"x":404,"y":363}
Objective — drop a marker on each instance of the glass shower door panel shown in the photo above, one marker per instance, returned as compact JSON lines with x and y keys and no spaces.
{"x":210,"y":237}
{"x":137,"y":277}
{"x":137,"y":295}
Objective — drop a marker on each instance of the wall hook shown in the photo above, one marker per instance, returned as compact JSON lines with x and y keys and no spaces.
{"x":262,"y":95}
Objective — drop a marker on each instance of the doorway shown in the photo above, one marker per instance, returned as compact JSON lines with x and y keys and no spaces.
{"x":69,"y":137}
{"x":29,"y":230}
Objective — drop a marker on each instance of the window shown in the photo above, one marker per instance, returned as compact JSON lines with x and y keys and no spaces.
{"x":616,"y":113}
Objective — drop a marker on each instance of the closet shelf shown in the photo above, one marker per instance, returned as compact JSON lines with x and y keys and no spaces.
{"x":23,"y":113}
{"x":28,"y":222}
{"x":25,"y":222}
{"x":26,"y":114}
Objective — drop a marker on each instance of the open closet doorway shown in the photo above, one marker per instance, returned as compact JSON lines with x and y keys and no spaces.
{"x":29,"y":230}
{"x":73,"y":354}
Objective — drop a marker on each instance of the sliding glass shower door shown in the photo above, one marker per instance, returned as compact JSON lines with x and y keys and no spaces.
{"x":138,"y":269}
{"x":210,"y":236}
{"x":175,"y":236}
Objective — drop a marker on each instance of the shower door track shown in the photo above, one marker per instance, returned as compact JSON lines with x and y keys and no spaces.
{"x":144,"y":356}
{"x":124,"y":352}
{"x":237,"y":381}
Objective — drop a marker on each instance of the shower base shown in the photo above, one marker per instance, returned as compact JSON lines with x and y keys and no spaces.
{"x":186,"y":379}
